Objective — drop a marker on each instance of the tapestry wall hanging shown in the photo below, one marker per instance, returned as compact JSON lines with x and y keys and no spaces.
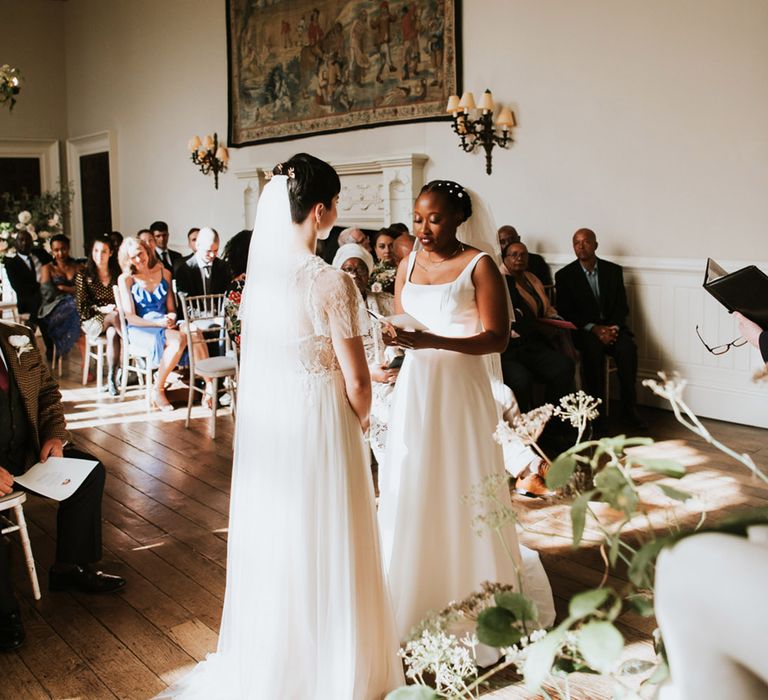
{"x":301,"y":67}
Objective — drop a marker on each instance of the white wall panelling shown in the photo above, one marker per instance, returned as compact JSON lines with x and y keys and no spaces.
{"x":667,"y":302}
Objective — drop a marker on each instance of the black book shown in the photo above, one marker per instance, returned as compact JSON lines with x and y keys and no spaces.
{"x":745,"y":290}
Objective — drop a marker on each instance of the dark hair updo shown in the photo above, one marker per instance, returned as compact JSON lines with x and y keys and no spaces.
{"x":454,"y":193}
{"x":60,"y":238}
{"x":310,"y":181}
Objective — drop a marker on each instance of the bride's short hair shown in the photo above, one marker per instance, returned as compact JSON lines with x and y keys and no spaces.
{"x":455,"y":194}
{"x":310,"y":181}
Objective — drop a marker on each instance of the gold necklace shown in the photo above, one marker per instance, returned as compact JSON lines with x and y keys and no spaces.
{"x":432,"y":265}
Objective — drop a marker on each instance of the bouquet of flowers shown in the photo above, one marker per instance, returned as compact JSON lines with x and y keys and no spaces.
{"x":382,"y":278}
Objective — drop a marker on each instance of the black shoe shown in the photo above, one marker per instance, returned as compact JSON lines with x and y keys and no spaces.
{"x":11,"y":631}
{"x":631,"y":419}
{"x":84,"y":580}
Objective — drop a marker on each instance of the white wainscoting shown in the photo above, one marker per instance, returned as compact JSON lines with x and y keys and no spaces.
{"x":667,"y":301}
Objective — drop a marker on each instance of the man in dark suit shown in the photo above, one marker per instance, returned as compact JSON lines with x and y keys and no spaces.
{"x":32,"y":429}
{"x":536,"y":264}
{"x":591,"y":294}
{"x":204,"y":272}
{"x":24,"y":275}
{"x":169,"y":258}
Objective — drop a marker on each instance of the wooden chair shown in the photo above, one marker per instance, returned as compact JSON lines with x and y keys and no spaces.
{"x":133,"y":352}
{"x":13,"y":501}
{"x":95,"y":349}
{"x":204,"y":323}
{"x":9,"y":306}
{"x":56,"y":362}
{"x":610,"y":368}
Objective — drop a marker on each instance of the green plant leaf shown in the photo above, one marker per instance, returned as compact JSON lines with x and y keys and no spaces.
{"x":541,"y":657}
{"x":641,"y":603}
{"x":667,"y":467}
{"x":583,"y":604}
{"x":579,"y":515}
{"x":561,"y":471}
{"x":639,"y":569}
{"x":672,"y":492}
{"x":495,"y":627}
{"x":609,"y":480}
{"x":521,"y":607}
{"x":601,"y":644}
{"x":413,"y":692}
{"x":658,"y":676}
{"x":613,"y":552}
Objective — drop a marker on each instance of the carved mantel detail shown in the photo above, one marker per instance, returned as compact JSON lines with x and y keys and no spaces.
{"x":375,"y":192}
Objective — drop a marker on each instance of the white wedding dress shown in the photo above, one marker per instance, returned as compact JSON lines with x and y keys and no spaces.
{"x":439,"y":447}
{"x":307,"y":614}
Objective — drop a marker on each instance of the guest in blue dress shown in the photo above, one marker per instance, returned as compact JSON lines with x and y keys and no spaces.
{"x":58,"y":309}
{"x":150,"y":311}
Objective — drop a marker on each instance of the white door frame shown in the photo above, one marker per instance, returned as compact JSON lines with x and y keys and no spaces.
{"x":101,"y":142}
{"x":46,"y":151}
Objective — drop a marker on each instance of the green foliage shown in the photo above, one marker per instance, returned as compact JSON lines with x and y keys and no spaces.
{"x":522,"y":608}
{"x":541,"y":656}
{"x":640,"y":570}
{"x":496,"y":627}
{"x":601,"y":644}
{"x":413,"y":692}
{"x":561,"y":471}
{"x":675,"y":493}
{"x":667,"y":467}
{"x":587,"y":602}
{"x":579,"y":516}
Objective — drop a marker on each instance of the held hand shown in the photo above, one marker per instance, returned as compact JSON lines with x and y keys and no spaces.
{"x":606,"y":334}
{"x":170,"y":320}
{"x":6,"y":482}
{"x":51,"y":448}
{"x":108,"y":309}
{"x":414,"y":340}
{"x":749,"y":330}
{"x":383,"y":375}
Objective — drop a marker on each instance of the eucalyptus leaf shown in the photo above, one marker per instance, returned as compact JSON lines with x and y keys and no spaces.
{"x":541,"y":657}
{"x":413,"y":692}
{"x":601,"y":644}
{"x":633,"y":667}
{"x":675,"y":493}
{"x":560,"y":472}
{"x":495,"y":627}
{"x":613,"y":552}
{"x":641,"y":604}
{"x":659,"y":675}
{"x":639,"y":569}
{"x":579,"y":515}
{"x":667,"y":467}
{"x":610,"y":480}
{"x":520,"y":606}
{"x":587,"y":602}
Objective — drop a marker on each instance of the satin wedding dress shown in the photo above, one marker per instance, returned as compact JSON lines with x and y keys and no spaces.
{"x":440,"y":446}
{"x":307,"y":614}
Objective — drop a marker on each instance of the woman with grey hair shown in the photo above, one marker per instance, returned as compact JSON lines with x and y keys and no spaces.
{"x":383,"y":364}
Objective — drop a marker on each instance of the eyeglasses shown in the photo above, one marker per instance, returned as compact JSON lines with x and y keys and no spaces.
{"x":722,"y":349}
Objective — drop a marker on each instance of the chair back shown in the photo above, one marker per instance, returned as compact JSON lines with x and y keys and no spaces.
{"x":204,"y":321}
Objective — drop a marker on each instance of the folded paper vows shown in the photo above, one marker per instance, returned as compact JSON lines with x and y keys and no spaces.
{"x":58,"y":477}
{"x":405,"y":322}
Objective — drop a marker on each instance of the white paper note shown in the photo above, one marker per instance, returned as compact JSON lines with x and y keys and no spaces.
{"x":58,"y":477}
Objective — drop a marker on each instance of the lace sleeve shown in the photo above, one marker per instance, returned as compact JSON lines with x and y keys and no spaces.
{"x":340,"y":311}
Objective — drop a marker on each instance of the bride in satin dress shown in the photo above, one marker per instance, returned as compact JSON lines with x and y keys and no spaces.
{"x":443,"y":416}
{"x":307,"y":613}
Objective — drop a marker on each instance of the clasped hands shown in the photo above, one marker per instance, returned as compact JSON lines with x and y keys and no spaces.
{"x":400,"y":338}
{"x":51,"y":448}
{"x":607,"y":335}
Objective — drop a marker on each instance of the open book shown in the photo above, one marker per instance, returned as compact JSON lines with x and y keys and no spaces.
{"x":745,"y":290}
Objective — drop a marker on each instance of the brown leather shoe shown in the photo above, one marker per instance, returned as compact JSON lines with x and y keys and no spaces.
{"x":533,"y":486}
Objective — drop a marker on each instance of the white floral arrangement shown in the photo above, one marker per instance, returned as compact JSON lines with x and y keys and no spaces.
{"x":21,"y":344}
{"x":10,"y":85}
{"x":40,"y":216}
{"x":382,"y":278}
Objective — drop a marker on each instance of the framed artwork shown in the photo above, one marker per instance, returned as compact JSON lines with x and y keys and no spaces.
{"x":301,"y":67}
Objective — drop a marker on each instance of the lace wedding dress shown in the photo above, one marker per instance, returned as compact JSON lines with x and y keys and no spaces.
{"x":307,"y":613}
{"x":440,"y":447}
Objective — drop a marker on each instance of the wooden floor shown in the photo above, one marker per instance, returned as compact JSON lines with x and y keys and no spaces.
{"x":165,"y":524}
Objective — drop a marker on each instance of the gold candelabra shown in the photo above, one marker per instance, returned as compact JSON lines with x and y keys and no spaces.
{"x":481,"y":131}
{"x":211,"y":156}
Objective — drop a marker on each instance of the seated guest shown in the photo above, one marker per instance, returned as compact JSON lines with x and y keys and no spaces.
{"x":382,"y":246}
{"x":115,"y":240}
{"x":533,"y":353}
{"x":150,"y":312}
{"x":236,"y":256}
{"x":32,"y":428}
{"x":403,"y":246}
{"x":358,"y":263}
{"x":58,"y":309}
{"x":204,"y":272}
{"x":24,"y":270}
{"x":591,"y":294}
{"x":192,"y":241}
{"x":536,"y":264}
{"x":165,"y":255}
{"x":96,"y":302}
{"x":398,"y":229}
{"x":149,"y":238}
{"x":355,"y":235}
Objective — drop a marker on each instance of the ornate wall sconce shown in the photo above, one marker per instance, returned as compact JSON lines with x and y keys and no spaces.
{"x":482,"y":130}
{"x":10,"y":85}
{"x":209,"y":155}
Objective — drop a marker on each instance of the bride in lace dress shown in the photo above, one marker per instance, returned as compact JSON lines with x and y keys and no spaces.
{"x":440,"y":445}
{"x":306,"y":612}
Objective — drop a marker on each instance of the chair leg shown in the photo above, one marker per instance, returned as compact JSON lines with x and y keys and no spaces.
{"x":99,"y":367}
{"x":86,"y":362}
{"x":214,"y":404}
{"x":124,"y":376}
{"x":149,"y":385}
{"x":27,"y":547}
{"x":190,"y":395}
